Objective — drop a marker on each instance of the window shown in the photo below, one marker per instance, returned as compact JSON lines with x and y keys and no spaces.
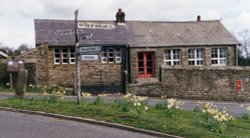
{"x":111,"y":55}
{"x":64,"y":56}
{"x":219,"y":56}
{"x":72,"y":56}
{"x":195,"y":56}
{"x":57,"y":56}
{"x":172,"y":57}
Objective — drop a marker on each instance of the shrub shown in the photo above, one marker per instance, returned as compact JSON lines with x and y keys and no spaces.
{"x":4,"y":75}
{"x":84,"y":99}
{"x":212,"y":118}
{"x":247,"y":115}
{"x":132,"y":103}
{"x":171,"y":105}
{"x":100,"y":99}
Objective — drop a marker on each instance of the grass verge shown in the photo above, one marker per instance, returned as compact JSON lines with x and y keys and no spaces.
{"x":182,"y":124}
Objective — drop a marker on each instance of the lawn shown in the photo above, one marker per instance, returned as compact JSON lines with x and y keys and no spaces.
{"x":182,"y":123}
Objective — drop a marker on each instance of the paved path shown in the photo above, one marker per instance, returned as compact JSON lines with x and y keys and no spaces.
{"x":233,"y":107}
{"x":19,"y":125}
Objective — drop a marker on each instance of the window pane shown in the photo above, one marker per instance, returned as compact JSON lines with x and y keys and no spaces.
{"x":57,"y":50}
{"x":111,"y":60}
{"x":223,"y":61}
{"x":191,"y":53}
{"x":214,"y":52}
{"x":65,"y":60}
{"x":57,"y":55}
{"x":200,"y":53}
{"x":168,"y":63}
{"x":176,"y":62}
{"x":199,"y":62}
{"x":214,"y":61}
{"x":149,"y":70}
{"x":167,"y":54}
{"x":190,"y":62}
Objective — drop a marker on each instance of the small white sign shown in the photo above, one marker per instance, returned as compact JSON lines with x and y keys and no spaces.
{"x":90,"y":57}
{"x":10,"y":63}
{"x":89,"y":49}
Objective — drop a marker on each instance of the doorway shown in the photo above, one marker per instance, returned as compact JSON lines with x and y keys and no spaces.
{"x":145,"y":65}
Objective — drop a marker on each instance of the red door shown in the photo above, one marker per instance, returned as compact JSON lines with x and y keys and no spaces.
{"x":145,"y":65}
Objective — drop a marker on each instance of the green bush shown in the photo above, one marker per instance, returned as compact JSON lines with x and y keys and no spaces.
{"x":214,"y":119}
{"x":136,"y":105}
{"x":4,"y":75}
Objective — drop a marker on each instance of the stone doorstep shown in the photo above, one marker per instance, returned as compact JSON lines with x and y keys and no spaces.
{"x":92,"y":121}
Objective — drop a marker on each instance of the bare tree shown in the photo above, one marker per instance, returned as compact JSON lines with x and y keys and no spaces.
{"x":245,"y":43}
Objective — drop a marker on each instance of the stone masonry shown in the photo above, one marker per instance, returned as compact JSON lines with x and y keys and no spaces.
{"x":93,"y":73}
{"x":212,"y":83}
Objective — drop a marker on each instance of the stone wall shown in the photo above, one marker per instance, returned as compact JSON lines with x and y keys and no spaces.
{"x":30,"y":62}
{"x":31,"y":68}
{"x":29,"y":57}
{"x":212,"y":83}
{"x":42,"y":65}
{"x":146,"y":89}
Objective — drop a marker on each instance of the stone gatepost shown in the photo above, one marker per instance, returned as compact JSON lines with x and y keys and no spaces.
{"x":21,"y":82}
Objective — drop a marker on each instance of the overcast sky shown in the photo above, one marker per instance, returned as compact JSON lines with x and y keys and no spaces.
{"x":17,"y":16}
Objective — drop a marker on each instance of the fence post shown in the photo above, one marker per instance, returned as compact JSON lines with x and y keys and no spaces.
{"x":126,"y":82}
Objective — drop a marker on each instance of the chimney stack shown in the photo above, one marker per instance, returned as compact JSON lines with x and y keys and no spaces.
{"x":120,"y":16}
{"x":198,"y":18}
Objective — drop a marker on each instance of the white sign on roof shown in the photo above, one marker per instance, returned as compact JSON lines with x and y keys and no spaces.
{"x":91,"y":25}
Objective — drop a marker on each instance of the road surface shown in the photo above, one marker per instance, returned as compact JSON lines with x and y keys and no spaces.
{"x":19,"y":125}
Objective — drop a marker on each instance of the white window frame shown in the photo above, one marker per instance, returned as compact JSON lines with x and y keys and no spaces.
{"x":57,"y":60}
{"x":65,"y":57}
{"x":72,"y":59}
{"x":111,"y":53}
{"x":69,"y":56}
{"x":221,"y":57}
{"x":172,"y":59}
{"x":118,"y":57}
{"x":197,"y":59}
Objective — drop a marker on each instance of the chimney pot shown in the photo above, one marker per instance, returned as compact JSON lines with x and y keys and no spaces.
{"x":120,"y":16}
{"x":198,"y":18}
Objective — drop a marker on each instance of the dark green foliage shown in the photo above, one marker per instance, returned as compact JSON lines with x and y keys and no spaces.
{"x":160,"y":105}
{"x":4,"y":75}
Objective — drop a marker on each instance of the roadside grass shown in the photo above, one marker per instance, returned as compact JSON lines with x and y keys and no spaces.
{"x":181,"y":124}
{"x":5,"y":89}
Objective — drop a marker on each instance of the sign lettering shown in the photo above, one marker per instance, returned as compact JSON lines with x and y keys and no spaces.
{"x":90,"y":25}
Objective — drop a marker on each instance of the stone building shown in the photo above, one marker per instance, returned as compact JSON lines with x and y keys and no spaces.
{"x":141,"y":48}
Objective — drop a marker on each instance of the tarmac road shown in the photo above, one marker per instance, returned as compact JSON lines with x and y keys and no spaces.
{"x":19,"y":125}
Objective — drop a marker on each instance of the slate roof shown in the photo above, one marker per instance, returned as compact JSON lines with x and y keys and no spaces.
{"x":137,"y":33}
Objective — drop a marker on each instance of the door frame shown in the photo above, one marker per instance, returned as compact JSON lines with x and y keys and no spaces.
{"x":145,"y":66}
